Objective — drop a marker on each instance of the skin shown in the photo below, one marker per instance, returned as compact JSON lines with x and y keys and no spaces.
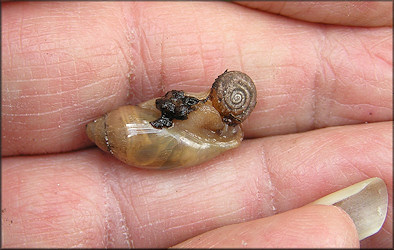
{"x":323,"y":121}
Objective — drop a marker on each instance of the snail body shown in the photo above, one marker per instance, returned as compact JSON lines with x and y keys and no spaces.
{"x":174,"y":131}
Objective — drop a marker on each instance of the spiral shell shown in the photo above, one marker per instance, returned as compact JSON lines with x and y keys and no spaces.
{"x":127,"y":134}
{"x":179,"y":129}
{"x":233,"y":94}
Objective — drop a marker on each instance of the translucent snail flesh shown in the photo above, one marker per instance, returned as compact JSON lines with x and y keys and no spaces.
{"x":179,"y":129}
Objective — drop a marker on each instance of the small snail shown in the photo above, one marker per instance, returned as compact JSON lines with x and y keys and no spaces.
{"x":179,"y":129}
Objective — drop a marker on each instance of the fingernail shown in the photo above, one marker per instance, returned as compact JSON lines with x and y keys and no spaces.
{"x":366,"y":203}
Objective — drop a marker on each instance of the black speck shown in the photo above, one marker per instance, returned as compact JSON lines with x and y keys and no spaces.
{"x":173,"y":105}
{"x":163,"y":121}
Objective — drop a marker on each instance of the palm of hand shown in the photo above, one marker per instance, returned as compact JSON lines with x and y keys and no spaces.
{"x":65,"y":67}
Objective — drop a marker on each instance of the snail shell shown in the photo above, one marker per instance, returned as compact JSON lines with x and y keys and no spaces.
{"x":128,"y":134}
{"x":233,"y":94}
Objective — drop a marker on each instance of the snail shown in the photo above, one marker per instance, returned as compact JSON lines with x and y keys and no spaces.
{"x":179,"y":129}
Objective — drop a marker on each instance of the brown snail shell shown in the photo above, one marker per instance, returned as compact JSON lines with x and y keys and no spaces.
{"x":129,"y":135}
{"x":233,"y":94}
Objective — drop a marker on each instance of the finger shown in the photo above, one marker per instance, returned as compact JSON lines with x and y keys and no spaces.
{"x":118,"y":53}
{"x":89,"y":199}
{"x":367,"y":14}
{"x":316,"y":227}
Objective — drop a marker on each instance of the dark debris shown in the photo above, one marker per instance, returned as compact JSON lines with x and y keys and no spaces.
{"x":173,"y":105}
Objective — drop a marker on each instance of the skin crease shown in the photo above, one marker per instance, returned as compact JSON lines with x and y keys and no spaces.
{"x":375,"y":14}
{"x":66,"y":63}
{"x":294,"y":225}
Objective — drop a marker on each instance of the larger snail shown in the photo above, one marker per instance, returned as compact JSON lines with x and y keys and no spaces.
{"x":179,"y":129}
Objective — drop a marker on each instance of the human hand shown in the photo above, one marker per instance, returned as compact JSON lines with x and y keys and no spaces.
{"x":323,"y":121}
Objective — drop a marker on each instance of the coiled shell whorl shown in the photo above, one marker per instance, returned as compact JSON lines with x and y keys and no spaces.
{"x":233,"y":94}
